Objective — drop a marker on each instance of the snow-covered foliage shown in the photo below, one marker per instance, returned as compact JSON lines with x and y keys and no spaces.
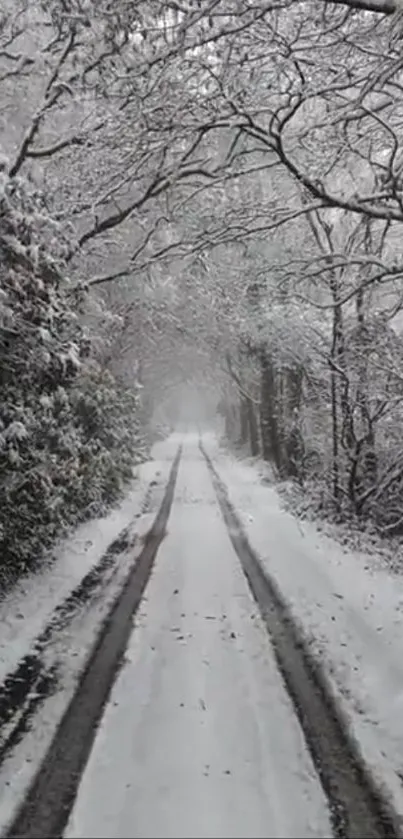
{"x":69,"y":432}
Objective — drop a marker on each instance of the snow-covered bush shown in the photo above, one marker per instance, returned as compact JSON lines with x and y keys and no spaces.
{"x":69,"y":433}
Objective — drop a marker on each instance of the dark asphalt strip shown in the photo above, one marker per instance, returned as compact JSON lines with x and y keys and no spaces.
{"x":46,"y":808}
{"x":357,"y":807}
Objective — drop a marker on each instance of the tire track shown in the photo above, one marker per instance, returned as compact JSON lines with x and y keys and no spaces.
{"x":357,"y":807}
{"x":46,"y":808}
{"x":27,"y":686}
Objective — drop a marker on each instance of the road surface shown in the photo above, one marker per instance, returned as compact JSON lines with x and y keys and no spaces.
{"x":199,"y":737}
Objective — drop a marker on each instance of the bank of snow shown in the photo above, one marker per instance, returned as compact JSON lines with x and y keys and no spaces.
{"x":349,"y":606}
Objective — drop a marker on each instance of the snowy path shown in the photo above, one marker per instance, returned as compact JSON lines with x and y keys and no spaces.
{"x":199,"y":737}
{"x":350,"y":609}
{"x":50,"y":621}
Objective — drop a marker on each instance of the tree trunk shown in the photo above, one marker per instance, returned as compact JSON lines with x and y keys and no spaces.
{"x":268,"y":420}
{"x":253,"y":429}
{"x":337,"y":361}
{"x":335,"y":438}
{"x":243,"y":421}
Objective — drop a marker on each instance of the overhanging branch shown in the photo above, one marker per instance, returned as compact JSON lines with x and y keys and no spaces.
{"x":383,"y":7}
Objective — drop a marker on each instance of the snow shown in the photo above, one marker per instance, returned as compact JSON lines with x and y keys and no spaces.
{"x":27,"y":609}
{"x":199,"y":738}
{"x":350,"y":608}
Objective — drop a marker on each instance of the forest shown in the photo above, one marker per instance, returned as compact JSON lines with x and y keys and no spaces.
{"x":199,"y":191}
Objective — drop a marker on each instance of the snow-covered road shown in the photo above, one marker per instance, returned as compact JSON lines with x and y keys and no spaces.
{"x":199,"y":737}
{"x":350,"y":608}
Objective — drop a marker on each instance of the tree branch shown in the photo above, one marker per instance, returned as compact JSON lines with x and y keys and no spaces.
{"x":383,"y":7}
{"x":49,"y":101}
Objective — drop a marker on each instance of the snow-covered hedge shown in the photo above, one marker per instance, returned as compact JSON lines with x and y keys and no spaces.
{"x":69,"y":433}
